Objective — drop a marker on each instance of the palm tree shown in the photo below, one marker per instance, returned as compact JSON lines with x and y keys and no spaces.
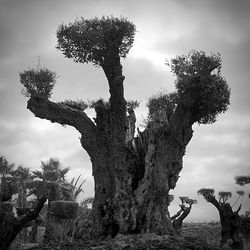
{"x":54,"y":175}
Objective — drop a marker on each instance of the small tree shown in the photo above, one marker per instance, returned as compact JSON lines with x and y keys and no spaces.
{"x":185,"y":209}
{"x":230,"y":221}
{"x":244,"y":180}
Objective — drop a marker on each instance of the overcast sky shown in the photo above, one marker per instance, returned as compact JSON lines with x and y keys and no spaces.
{"x":166,"y":29}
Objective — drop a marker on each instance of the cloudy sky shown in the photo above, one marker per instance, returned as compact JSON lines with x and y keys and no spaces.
{"x":165,"y":28}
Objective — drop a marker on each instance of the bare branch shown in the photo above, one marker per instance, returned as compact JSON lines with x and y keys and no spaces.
{"x":65,"y":115}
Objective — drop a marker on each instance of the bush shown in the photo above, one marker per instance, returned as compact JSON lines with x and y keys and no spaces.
{"x":64,"y":209}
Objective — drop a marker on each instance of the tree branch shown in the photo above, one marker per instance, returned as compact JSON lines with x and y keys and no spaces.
{"x":212,"y":200}
{"x":64,"y":115}
{"x":33,"y":214}
{"x":184,"y":214}
{"x":176,"y":215}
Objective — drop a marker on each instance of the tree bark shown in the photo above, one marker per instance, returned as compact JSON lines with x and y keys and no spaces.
{"x":10,"y":226}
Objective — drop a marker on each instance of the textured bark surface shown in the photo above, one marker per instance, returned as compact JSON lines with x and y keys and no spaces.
{"x":10,"y":226}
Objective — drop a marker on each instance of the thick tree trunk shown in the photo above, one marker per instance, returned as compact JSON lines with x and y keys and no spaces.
{"x":133,"y":198}
{"x":132,"y":178}
{"x":230,"y":224}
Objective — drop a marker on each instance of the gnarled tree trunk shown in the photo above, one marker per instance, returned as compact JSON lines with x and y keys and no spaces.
{"x":132,"y":177}
{"x":230,"y":223}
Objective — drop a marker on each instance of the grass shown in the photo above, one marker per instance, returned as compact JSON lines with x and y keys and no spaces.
{"x":207,"y":231}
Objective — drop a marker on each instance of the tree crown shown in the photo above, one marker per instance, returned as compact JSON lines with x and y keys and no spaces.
{"x":187,"y":200}
{"x":161,"y":101}
{"x":92,"y":40}
{"x":242,"y":180}
{"x":206,"y":192}
{"x":224,"y":196}
{"x":38,"y":81}
{"x":200,"y":86}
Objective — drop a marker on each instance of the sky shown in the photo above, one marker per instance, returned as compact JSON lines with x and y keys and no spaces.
{"x":165,"y":29}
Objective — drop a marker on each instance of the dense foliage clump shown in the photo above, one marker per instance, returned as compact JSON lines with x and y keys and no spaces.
{"x":38,"y":81}
{"x":91,"y":40}
{"x":161,"y":102}
{"x":78,"y":104}
{"x":242,"y":180}
{"x":200,"y":86}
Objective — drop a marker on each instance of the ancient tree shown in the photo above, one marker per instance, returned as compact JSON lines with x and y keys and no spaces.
{"x":229,"y":219}
{"x":133,"y":172}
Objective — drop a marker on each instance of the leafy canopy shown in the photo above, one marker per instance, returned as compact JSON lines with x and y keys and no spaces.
{"x":200,"y":86}
{"x":242,"y":180}
{"x":187,"y":200}
{"x":206,"y":192}
{"x":78,"y":104}
{"x":224,"y":196}
{"x":38,"y":81}
{"x":161,"y":101}
{"x":91,"y":40}
{"x":5,"y":166}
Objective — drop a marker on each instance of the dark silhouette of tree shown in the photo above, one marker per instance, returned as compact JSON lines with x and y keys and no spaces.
{"x":244,"y":180}
{"x":185,"y":209}
{"x":229,"y":219}
{"x":132,"y":174}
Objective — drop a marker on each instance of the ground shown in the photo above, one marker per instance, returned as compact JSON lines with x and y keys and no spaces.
{"x":196,"y":234}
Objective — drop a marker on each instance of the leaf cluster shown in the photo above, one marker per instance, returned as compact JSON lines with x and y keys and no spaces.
{"x":200,"y":85}
{"x":224,"y":196}
{"x":91,"y":40}
{"x":206,"y":192}
{"x":132,"y":105}
{"x":77,"y":189}
{"x":51,"y":180}
{"x":92,"y":104}
{"x":187,"y":200}
{"x":38,"y":81}
{"x":242,"y":180}
{"x":5,"y":166}
{"x":78,"y":104}
{"x":240,"y":192}
{"x":161,"y":101}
